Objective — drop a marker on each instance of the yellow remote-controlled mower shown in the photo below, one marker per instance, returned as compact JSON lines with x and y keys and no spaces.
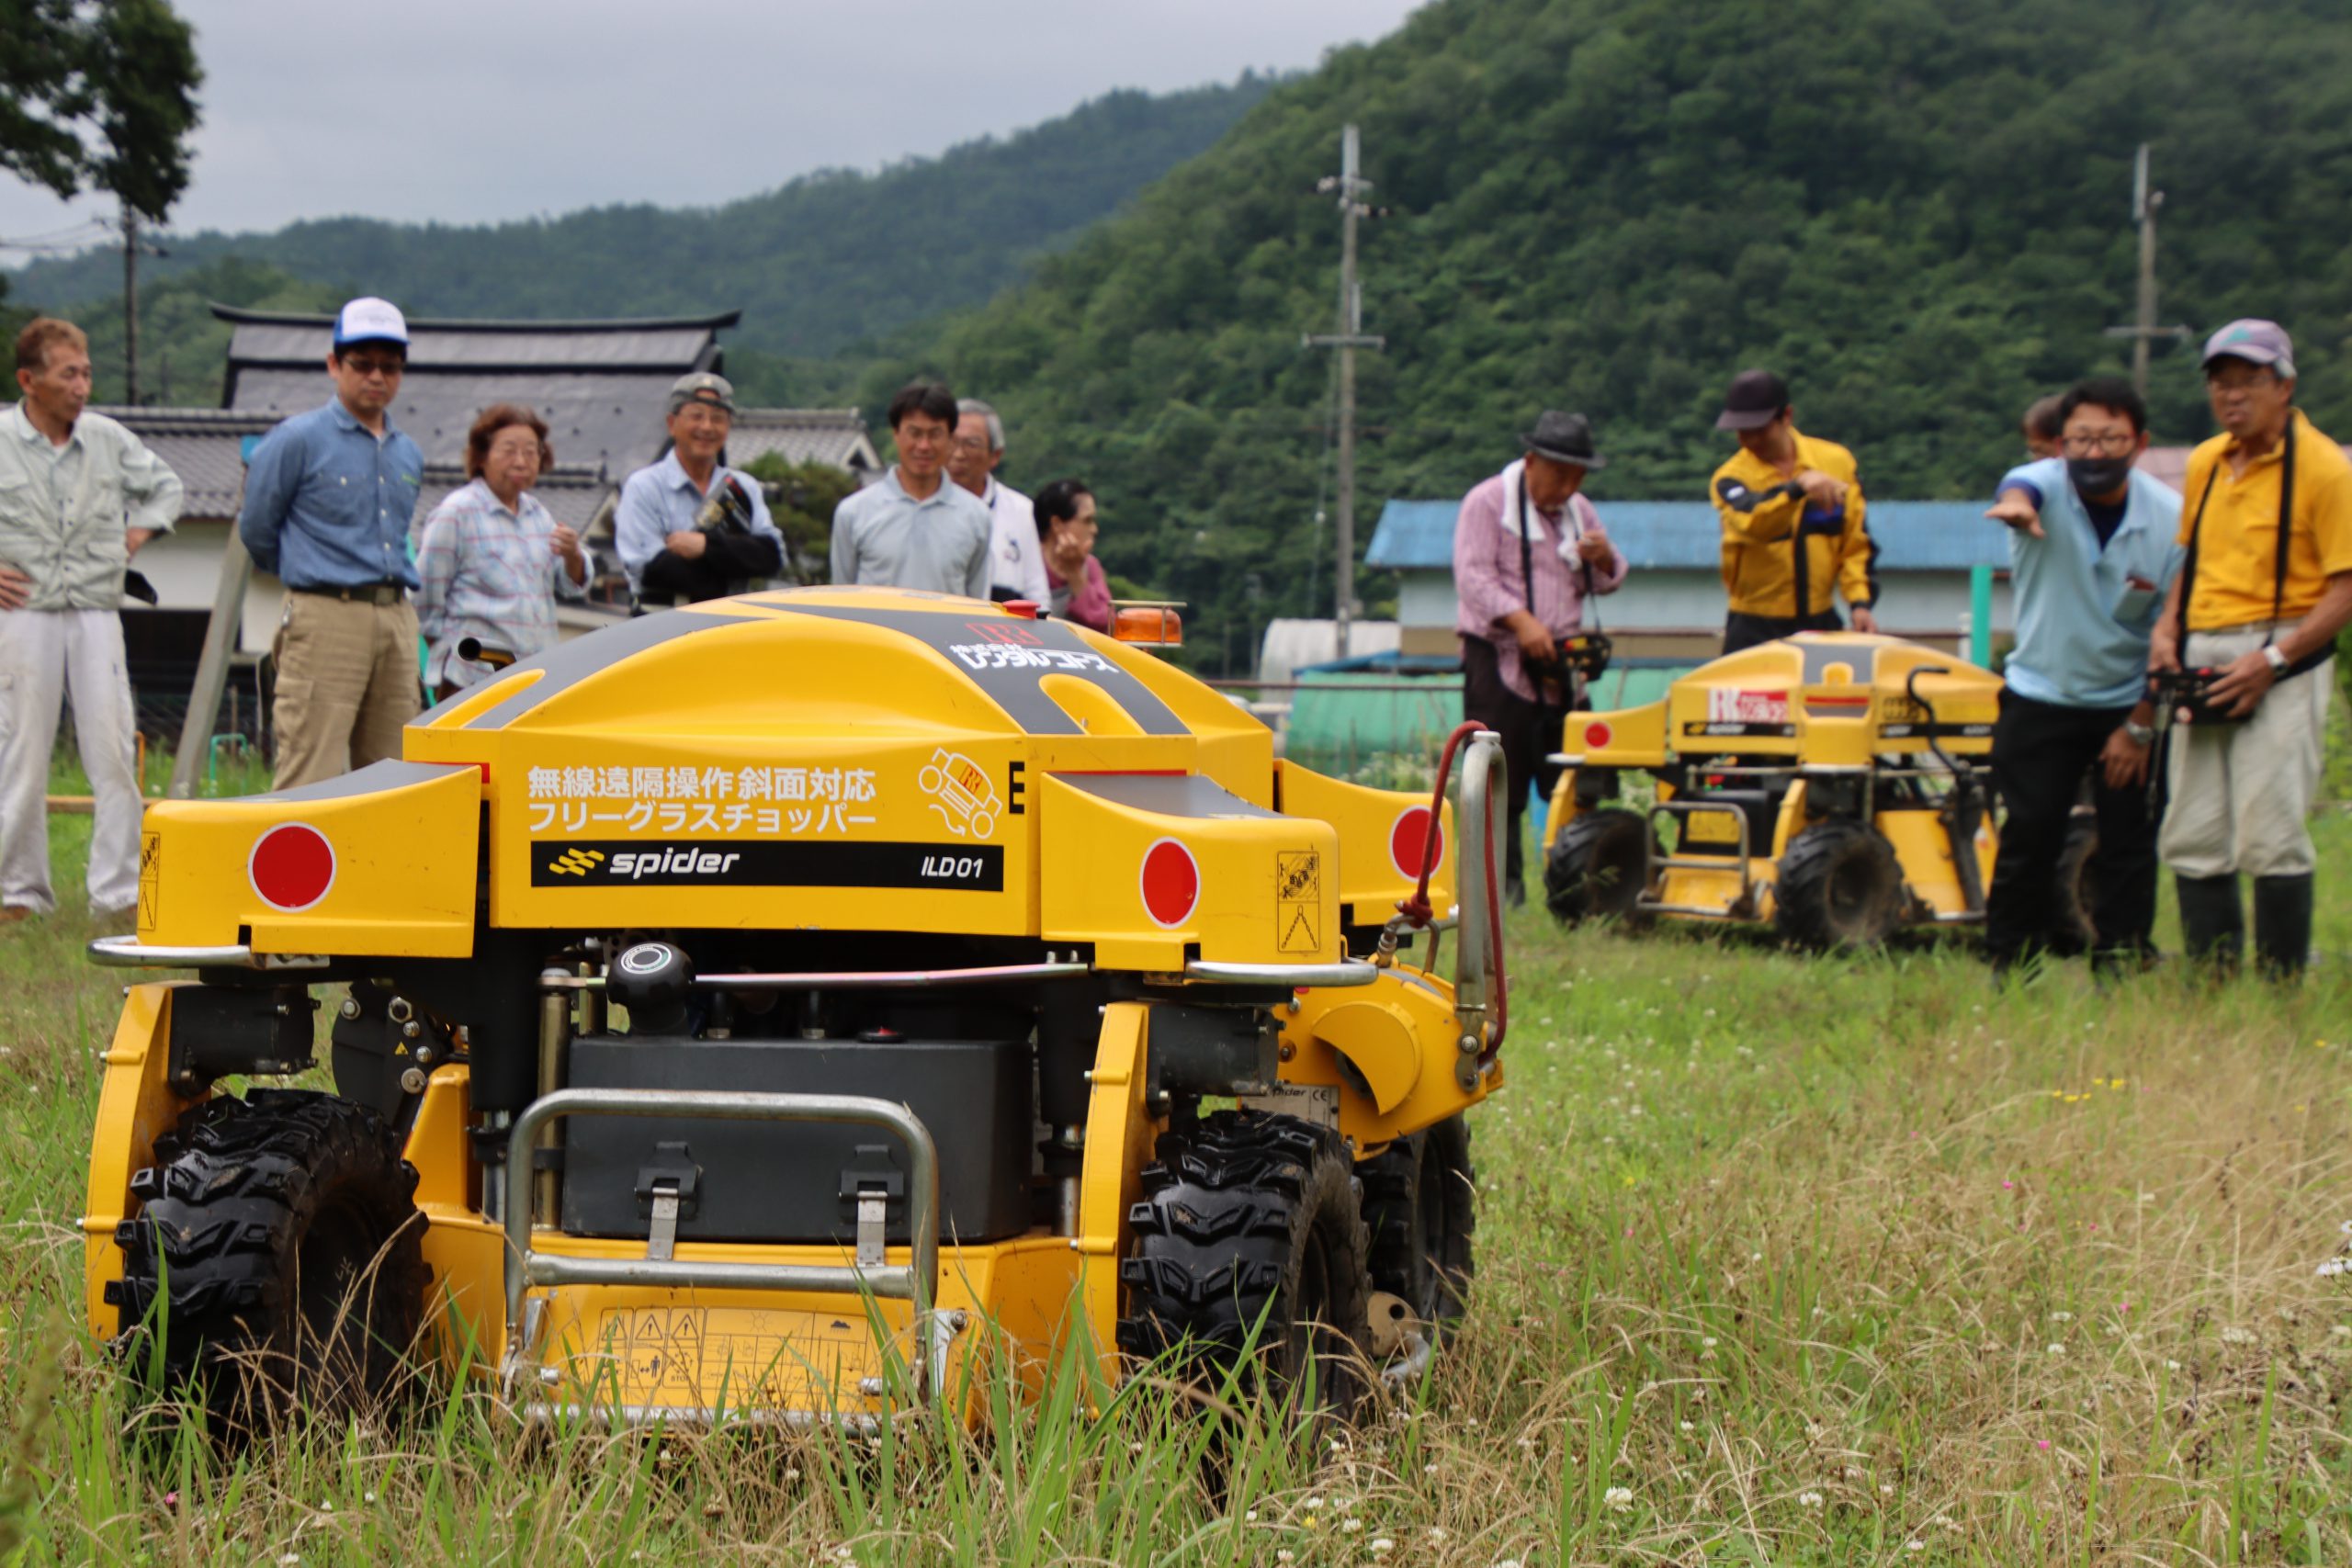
{"x":1829,"y":783}
{"x":800,"y":1005}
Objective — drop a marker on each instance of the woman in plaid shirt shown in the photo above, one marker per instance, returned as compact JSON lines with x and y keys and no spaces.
{"x":493,"y":558}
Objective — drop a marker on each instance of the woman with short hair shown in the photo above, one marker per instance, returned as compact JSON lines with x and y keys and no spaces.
{"x":1066,"y":530}
{"x":494,"y":559}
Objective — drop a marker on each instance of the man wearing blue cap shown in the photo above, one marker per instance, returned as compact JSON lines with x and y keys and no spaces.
{"x":2267,"y":519}
{"x":328,"y":499}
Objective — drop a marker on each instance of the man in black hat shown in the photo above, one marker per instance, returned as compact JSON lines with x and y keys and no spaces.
{"x":1528,"y":549}
{"x":1792,"y":515}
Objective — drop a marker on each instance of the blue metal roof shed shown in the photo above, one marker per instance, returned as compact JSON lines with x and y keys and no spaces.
{"x":1913,"y":535}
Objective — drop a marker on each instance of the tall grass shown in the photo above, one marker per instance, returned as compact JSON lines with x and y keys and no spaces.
{"x":1782,"y":1261}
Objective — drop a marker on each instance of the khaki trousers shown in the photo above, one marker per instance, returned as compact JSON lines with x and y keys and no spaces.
{"x":49,"y":658}
{"x":347,"y":686}
{"x":2242,"y":793}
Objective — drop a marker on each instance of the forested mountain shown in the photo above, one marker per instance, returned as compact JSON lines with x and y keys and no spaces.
{"x":1919,"y":211}
{"x":816,"y":264}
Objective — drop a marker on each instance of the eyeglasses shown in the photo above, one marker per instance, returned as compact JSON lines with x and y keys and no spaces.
{"x":372,"y":367}
{"x":526,"y":447}
{"x":2114,"y":443}
{"x":2241,"y":381}
{"x":971,"y":444}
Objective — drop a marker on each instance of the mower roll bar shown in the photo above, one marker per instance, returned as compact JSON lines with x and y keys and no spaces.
{"x":915,"y":1281}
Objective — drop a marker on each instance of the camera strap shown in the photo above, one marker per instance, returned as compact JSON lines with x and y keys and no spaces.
{"x":2312,"y":660}
{"x":1590,"y":602}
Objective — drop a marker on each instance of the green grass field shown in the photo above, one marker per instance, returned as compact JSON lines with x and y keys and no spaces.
{"x":1782,"y":1261}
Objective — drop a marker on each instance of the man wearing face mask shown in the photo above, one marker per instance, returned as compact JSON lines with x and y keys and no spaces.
{"x":2092,"y":551}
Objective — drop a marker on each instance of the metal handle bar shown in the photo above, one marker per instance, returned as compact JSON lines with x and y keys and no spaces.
{"x":916,"y":1281}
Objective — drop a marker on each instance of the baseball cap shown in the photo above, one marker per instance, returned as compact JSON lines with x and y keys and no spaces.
{"x":370,"y":320}
{"x":1755,"y":401}
{"x":2257,"y":342}
{"x":702,"y":386}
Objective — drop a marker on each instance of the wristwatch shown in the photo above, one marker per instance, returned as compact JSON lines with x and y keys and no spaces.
{"x":2140,"y":734}
{"x":2276,"y":656}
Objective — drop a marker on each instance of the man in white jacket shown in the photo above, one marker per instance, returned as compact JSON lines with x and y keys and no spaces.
{"x":78,"y":495}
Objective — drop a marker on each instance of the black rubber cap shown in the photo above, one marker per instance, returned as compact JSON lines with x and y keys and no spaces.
{"x":653,"y":980}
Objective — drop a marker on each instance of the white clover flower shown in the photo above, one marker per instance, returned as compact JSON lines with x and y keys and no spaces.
{"x":1251,"y":1517}
{"x":1709,"y":1342}
{"x":1437,"y":1533}
{"x":1914,"y":1544}
{"x":2171,"y":1365}
{"x":290,"y":1559}
{"x":2236,"y":1335}
{"x":2057,"y":1349}
{"x":2341,"y":1331}
{"x":1886,"y":1488}
{"x":1690,"y":1426}
{"x":1350,"y":1526}
{"x":1809,"y":1499}
{"x":2062,"y":1317}
{"x":1282,"y":1554}
{"x":1620,"y":1498}
{"x":1382,"y":1545}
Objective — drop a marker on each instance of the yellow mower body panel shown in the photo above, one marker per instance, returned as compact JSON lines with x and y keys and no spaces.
{"x":840,"y":771}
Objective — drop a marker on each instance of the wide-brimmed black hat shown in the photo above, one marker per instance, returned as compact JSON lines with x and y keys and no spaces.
{"x":1564,"y":439}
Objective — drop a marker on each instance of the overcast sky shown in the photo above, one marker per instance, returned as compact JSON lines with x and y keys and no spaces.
{"x":475,"y":110}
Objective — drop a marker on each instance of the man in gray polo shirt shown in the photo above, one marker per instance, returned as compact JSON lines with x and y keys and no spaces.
{"x":914,"y":529}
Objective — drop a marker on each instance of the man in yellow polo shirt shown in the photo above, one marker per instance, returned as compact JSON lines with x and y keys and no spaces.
{"x":1794,"y":522}
{"x":2266,"y":618}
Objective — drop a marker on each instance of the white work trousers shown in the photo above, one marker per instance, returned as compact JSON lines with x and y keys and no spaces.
{"x":46,"y":658}
{"x":2241,"y":794}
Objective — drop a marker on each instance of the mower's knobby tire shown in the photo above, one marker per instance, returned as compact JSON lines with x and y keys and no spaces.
{"x":2073,"y":932}
{"x":277,"y":1258}
{"x":1839,"y":885}
{"x":1420,"y":1204}
{"x":1597,"y":866}
{"x":1250,"y":1240}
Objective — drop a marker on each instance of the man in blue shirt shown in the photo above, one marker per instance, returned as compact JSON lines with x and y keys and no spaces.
{"x":328,"y":499}
{"x":688,"y":527}
{"x":2092,"y":549}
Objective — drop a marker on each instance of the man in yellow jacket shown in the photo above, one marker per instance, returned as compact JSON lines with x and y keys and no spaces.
{"x":1793,"y":517}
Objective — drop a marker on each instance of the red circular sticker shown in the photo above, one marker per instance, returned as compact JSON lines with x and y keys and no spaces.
{"x":1596,"y":735}
{"x":1171,"y":882}
{"x":292,"y":866}
{"x":1409,"y":837}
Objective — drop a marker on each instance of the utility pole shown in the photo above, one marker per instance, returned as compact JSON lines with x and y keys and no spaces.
{"x":2144,"y":203}
{"x":132,"y":245}
{"x":1350,"y":336}
{"x":129,"y":305}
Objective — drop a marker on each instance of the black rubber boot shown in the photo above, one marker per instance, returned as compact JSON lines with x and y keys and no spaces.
{"x":2282,"y":925}
{"x":2212,"y":927}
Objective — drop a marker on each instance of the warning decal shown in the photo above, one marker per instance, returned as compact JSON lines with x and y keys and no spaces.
{"x":151,"y":878}
{"x":1298,"y":901}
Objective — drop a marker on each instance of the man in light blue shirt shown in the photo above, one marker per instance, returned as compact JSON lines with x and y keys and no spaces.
{"x":914,"y":529}
{"x":2092,"y":543}
{"x":329,"y":495}
{"x":687,"y":527}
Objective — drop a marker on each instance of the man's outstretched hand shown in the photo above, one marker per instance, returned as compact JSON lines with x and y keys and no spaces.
{"x":2017,"y":509}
